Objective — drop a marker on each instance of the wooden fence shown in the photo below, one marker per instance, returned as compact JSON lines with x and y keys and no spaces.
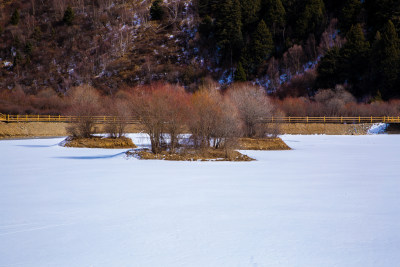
{"x":134,"y":120}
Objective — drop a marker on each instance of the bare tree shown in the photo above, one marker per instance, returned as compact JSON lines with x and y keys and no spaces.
{"x":204,"y":108}
{"x":253,"y":105}
{"x":120,"y":112}
{"x":273,"y":74}
{"x":176,"y":114}
{"x":85,"y":104}
{"x":333,"y":102}
{"x":215,"y":121}
{"x":296,"y":57}
{"x":162,"y":110}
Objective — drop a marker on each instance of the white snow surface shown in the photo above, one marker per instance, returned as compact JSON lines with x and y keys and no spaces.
{"x":332,"y":201}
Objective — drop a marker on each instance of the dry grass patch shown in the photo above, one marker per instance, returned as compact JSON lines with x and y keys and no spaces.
{"x":99,"y":142}
{"x":191,"y":155}
{"x":262,"y":144}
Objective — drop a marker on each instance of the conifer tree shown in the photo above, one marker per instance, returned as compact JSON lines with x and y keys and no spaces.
{"x":260,"y":48}
{"x":156,"y":10}
{"x":28,"y":49}
{"x":312,"y":19}
{"x":240,"y":74}
{"x":327,"y":69}
{"x":375,"y":59}
{"x":15,"y":17}
{"x":204,"y":7}
{"x":349,"y":14}
{"x":389,"y":61}
{"x":262,"y":44}
{"x":274,"y":15}
{"x":380,"y":11}
{"x":229,"y":27}
{"x":354,"y":58}
{"x":69,"y":16}
{"x":206,"y":26}
{"x":250,"y":11}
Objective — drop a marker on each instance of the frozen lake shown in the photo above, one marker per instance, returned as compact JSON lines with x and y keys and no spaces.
{"x":332,"y":201}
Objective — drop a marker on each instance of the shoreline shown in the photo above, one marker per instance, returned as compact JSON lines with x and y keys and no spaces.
{"x":26,"y":130}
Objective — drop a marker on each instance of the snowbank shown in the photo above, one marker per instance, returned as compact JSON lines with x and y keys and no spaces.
{"x":378,"y":128}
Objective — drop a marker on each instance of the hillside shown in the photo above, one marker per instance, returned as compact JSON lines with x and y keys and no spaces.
{"x":109,"y":44}
{"x":290,"y":47}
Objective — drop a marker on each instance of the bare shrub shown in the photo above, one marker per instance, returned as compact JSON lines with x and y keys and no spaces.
{"x":203,"y":120}
{"x":228,"y":127}
{"x":176,"y":115}
{"x":253,"y":105}
{"x":215,"y":121}
{"x":334,"y":101}
{"x":47,"y":101}
{"x":120,"y":111}
{"x":85,"y":103}
{"x":299,"y":85}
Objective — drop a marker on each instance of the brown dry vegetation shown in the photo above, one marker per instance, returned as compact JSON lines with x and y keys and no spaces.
{"x":262,"y":144}
{"x":99,"y":142}
{"x":191,"y":155}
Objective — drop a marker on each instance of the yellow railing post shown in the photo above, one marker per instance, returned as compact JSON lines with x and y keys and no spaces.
{"x":8,"y":117}
{"x":359,"y":119}
{"x":324,"y":119}
{"x":307,"y":119}
{"x":371,"y":119}
{"x":17,"y":118}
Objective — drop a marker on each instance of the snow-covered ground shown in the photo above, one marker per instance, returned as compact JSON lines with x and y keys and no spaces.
{"x":332,"y":201}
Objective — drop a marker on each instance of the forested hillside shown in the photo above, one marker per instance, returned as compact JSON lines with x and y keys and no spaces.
{"x":292,"y":48}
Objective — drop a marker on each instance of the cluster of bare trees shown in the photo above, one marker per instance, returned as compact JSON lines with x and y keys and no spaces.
{"x":212,"y":119}
{"x":167,"y":112}
{"x":335,"y":103}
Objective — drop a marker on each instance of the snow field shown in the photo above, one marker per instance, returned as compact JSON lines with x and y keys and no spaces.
{"x":332,"y":201}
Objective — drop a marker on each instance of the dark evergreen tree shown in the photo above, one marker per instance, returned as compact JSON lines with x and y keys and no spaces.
{"x":335,"y":6}
{"x":349,"y":14}
{"x":157,"y":10}
{"x":380,"y":11}
{"x":228,"y":28}
{"x":327,"y":69}
{"x":354,"y":58}
{"x":204,"y":7}
{"x":260,"y":48}
{"x":206,"y":26}
{"x":240,"y":74}
{"x":250,"y":12}
{"x":15,"y":17}
{"x":262,"y":44}
{"x":388,"y":60}
{"x":375,"y":73}
{"x":28,"y":49}
{"x":312,"y":19}
{"x":274,"y":15}
{"x":69,"y":16}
